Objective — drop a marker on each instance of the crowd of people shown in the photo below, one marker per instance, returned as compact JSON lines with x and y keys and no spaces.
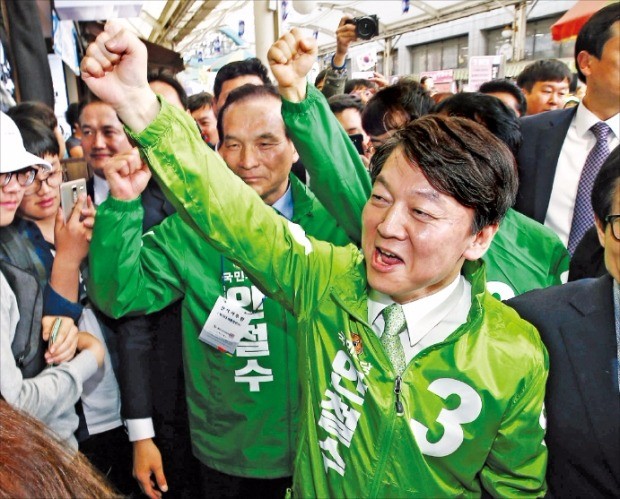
{"x":342,"y":289}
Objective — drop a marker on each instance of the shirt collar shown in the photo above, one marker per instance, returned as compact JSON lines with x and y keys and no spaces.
{"x":421,"y":315}
{"x":101,"y":190}
{"x":284,"y":205}
{"x":584,"y":119}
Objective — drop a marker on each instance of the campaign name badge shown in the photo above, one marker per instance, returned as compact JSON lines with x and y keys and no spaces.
{"x":226,"y":325}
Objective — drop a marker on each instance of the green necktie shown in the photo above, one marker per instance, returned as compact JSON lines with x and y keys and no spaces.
{"x":395,"y":323}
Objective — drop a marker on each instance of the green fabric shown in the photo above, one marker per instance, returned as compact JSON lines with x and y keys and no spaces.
{"x":238,"y":427}
{"x":524,"y":254}
{"x":351,"y":442}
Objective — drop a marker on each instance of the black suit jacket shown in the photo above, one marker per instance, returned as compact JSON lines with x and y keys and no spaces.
{"x":576,"y":323}
{"x":543,"y":137}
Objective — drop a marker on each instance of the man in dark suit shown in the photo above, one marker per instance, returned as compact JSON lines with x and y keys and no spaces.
{"x":556,"y":144}
{"x":579,"y":323}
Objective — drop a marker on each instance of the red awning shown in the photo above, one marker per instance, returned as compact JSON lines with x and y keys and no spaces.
{"x":571,"y":22}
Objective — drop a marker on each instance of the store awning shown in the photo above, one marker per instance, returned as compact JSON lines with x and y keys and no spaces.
{"x":571,"y":22}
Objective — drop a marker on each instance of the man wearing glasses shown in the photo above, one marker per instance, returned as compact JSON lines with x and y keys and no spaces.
{"x":579,"y":323}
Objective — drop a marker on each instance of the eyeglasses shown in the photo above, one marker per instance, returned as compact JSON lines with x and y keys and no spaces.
{"x":52,"y":179}
{"x":614,"y":221}
{"x":24,"y":177}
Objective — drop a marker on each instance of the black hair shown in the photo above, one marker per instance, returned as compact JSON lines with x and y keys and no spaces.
{"x":505,"y":86}
{"x":168,"y":78}
{"x":37,"y":110}
{"x":424,"y":78}
{"x":394,"y":106}
{"x":459,"y":158}
{"x":487,"y":110}
{"x":605,"y":184}
{"x":351,"y":85}
{"x":197,"y":101}
{"x":233,"y":70}
{"x":595,"y":33}
{"x":340,"y":102}
{"x":38,"y":138}
{"x":242,"y":93}
{"x":320,"y":77}
{"x":543,"y":70}
{"x":72,"y":114}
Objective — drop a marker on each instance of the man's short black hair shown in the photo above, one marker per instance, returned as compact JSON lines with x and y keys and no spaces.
{"x":72,"y":113}
{"x":595,"y":33}
{"x":197,"y":101}
{"x":38,"y":138}
{"x":340,"y":102}
{"x":543,"y":70}
{"x":605,"y":185}
{"x":351,"y":85}
{"x":165,"y":76}
{"x":394,"y":106}
{"x":487,"y":110}
{"x":424,"y":78}
{"x":34,"y":109}
{"x":459,"y":158}
{"x":242,"y":93}
{"x":233,"y":70}
{"x":320,"y":77}
{"x":505,"y":86}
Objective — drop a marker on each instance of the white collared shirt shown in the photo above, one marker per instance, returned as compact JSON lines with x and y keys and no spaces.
{"x":284,"y":205}
{"x":101,"y":190}
{"x":577,"y":145}
{"x":430,"y":320}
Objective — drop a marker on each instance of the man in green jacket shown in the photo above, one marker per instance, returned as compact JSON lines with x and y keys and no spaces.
{"x":416,"y":381}
{"x":243,"y":408}
{"x":524,"y":254}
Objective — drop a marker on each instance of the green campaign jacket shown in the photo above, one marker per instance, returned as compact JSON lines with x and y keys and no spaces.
{"x":470,"y":408}
{"x":524,"y":254}
{"x":242,"y":409}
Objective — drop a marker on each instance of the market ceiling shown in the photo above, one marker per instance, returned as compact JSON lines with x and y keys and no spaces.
{"x":183,"y":25}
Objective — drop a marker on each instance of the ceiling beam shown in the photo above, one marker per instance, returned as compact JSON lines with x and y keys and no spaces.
{"x":200,"y":15}
{"x":170,"y":26}
{"x":163,"y":18}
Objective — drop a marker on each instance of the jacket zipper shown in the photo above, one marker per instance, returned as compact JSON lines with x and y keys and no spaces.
{"x":385,"y":454}
{"x":398,"y":405}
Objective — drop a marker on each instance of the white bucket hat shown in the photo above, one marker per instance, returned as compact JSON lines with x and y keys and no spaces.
{"x":13,"y":154}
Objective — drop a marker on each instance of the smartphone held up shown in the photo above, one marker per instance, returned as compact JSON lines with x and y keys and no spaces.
{"x":69,"y":194}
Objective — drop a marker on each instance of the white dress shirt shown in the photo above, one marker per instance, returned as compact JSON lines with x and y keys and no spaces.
{"x":430,"y":320}
{"x":577,"y":145}
{"x":101,"y":190}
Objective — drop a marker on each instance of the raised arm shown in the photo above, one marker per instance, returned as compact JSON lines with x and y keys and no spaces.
{"x":338,"y":176}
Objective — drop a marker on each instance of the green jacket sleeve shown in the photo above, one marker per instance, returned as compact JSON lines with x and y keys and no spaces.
{"x":222,"y":209}
{"x":516,"y":464}
{"x":131,"y":273}
{"x":338,"y":177}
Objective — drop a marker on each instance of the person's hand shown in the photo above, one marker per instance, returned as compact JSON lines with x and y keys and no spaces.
{"x":345,"y":35}
{"x":147,"y":462}
{"x":290,"y":59}
{"x":115,"y":68}
{"x":380,"y":80}
{"x":86,"y":341}
{"x":127,"y":175}
{"x":72,"y":238}
{"x":62,"y":349}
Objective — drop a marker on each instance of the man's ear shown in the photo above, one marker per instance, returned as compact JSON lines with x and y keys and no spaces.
{"x":295,"y":153}
{"x":600,"y":231}
{"x":481,"y":242}
{"x":583,"y":61}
